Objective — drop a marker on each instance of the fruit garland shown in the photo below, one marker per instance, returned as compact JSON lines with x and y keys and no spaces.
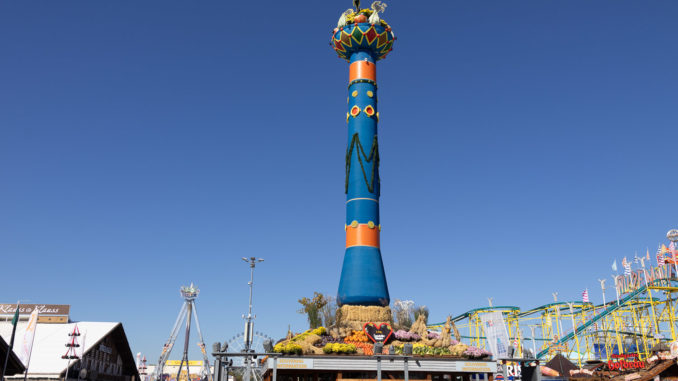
{"x":374,"y":155}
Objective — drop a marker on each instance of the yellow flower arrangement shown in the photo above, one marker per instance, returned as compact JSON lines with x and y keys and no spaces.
{"x":339,"y":348}
{"x":288,"y":348}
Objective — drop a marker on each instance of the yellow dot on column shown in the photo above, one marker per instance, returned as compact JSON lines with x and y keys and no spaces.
{"x":370,"y":93}
{"x":370,"y":224}
{"x":354,"y":93}
{"x":354,"y":224}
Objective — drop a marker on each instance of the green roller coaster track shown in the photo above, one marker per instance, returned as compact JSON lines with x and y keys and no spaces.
{"x":612,"y":308}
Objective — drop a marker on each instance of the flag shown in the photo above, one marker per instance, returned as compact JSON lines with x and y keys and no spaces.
{"x":29,"y":335}
{"x":15,"y":319}
{"x":660,"y":257}
{"x":627,"y":267}
{"x":647,"y":257}
{"x":665,"y":250}
{"x":585,"y":296}
{"x":614,"y":265}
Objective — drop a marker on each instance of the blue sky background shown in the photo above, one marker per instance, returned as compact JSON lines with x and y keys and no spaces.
{"x":145,"y":145}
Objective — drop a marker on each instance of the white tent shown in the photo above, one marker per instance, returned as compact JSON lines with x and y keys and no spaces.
{"x":50,"y":341}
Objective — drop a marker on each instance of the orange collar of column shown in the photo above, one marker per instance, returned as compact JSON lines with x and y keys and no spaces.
{"x":362,"y":70}
{"x":362,"y":235}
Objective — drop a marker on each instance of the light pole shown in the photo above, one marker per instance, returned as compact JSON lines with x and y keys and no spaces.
{"x":602,"y":285}
{"x":249,"y":323}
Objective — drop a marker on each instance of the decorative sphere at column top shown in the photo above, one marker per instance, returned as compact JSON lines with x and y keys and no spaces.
{"x":672,"y":235}
{"x":363,"y":31}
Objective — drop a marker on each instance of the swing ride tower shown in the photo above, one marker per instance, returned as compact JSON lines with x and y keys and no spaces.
{"x":188,"y":309}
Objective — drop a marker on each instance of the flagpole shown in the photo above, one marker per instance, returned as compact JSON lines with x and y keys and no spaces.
{"x":15,"y":322}
{"x":616,"y":286}
{"x":28,"y":363}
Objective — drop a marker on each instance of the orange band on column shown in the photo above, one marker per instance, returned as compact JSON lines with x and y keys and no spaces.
{"x":362,"y":70}
{"x":362,"y":236}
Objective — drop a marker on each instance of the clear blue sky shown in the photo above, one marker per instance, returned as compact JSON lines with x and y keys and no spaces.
{"x":145,"y":145}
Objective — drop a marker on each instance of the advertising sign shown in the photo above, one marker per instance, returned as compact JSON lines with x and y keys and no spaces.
{"x":294,"y":363}
{"x":378,"y":334}
{"x":495,"y":333}
{"x":638,"y":278}
{"x":190,"y":363}
{"x":625,"y":361}
{"x":43,"y":309}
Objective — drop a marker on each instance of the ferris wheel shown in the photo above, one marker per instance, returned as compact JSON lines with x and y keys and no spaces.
{"x":236,"y":344}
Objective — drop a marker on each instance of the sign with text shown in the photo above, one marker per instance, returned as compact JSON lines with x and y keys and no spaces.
{"x":190,"y":362}
{"x":43,"y":309}
{"x":293,"y":363}
{"x":378,"y":333}
{"x":626,"y":361}
{"x":476,"y":367}
{"x":638,"y":278}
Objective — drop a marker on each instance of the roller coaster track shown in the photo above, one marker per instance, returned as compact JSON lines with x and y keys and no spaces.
{"x":612,"y":308}
{"x":469,"y":313}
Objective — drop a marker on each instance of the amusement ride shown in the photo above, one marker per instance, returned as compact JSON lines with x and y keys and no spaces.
{"x":642,"y":317}
{"x":189,"y":294}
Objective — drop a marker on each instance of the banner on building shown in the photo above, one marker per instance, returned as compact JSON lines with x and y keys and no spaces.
{"x":496,"y":333}
{"x":26,"y":346}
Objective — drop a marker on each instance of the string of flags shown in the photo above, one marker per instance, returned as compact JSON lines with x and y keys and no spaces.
{"x":664,"y":255}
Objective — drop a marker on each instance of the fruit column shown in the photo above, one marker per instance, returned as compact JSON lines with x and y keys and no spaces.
{"x":362,"y":44}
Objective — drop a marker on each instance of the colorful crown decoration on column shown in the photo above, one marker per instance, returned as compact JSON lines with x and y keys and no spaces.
{"x":363,"y":30}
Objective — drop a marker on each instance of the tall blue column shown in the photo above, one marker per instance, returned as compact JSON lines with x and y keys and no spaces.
{"x":363,"y":281}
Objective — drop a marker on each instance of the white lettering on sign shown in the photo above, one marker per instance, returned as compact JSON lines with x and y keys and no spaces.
{"x":43,"y":309}
{"x":513,"y":370}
